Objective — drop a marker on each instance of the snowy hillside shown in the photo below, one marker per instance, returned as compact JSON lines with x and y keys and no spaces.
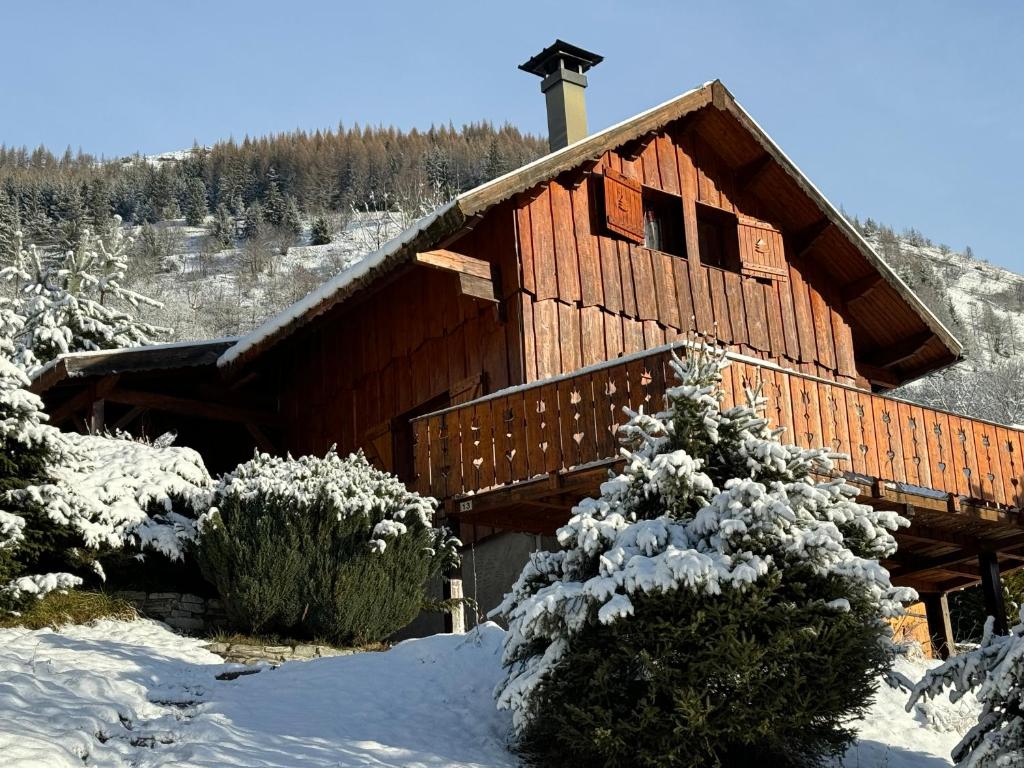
{"x":135,"y":694}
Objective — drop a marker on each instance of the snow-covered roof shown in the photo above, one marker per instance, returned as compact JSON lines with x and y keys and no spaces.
{"x":101,"y":362}
{"x":457,"y":214}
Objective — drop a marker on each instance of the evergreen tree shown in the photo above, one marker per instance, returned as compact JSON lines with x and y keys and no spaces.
{"x":994,"y":672}
{"x":274,"y":204}
{"x":10,"y":226}
{"x":320,"y":233}
{"x":292,"y":221}
{"x":222,"y":228}
{"x":716,"y":605}
{"x":195,"y":202}
{"x":255,"y":224}
{"x":77,"y":301}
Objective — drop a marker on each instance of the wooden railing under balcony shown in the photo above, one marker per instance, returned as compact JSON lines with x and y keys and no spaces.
{"x":568,"y":423}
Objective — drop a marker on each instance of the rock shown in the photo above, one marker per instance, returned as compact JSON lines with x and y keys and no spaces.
{"x":323,"y":651}
{"x":234,"y":674}
{"x":165,"y":596}
{"x":277,"y":650}
{"x":241,"y":649}
{"x":304,"y":651}
{"x":185,"y":623}
{"x":219,"y":648}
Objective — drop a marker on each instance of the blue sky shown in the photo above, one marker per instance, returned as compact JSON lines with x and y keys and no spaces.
{"x":910,"y":112}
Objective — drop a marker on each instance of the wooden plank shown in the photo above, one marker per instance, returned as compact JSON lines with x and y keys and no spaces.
{"x":632,"y":336}
{"x":643,"y":282}
{"x":629,"y":300}
{"x":776,"y":331}
{"x":524,"y":238}
{"x":665,"y":287}
{"x":545,"y":270}
{"x":610,"y":280}
{"x":919,"y":442}
{"x":452,"y":261}
{"x":569,"y":337}
{"x":981,"y":434}
{"x":889,"y":440}
{"x":735,"y":306}
{"x":592,"y":333}
{"x":566,"y":261}
{"x":804,"y":316}
{"x":667,"y":164}
{"x":612,"y":335}
{"x":757,"y":314}
{"x":529,"y":341}
{"x":587,"y":248}
{"x":720,"y":303}
{"x":822,"y":318}
{"x":908,"y":429}
{"x":684,"y":302}
{"x":546,"y":333}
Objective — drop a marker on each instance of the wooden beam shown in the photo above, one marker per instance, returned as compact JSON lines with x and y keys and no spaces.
{"x":878,"y":376}
{"x":129,"y":417}
{"x":82,"y":400}
{"x":862,"y":287}
{"x":749,"y":174}
{"x":894,"y":354}
{"x":992,"y":590}
{"x":202,"y":409}
{"x":476,"y":276}
{"x":263,"y":442}
{"x":810,"y":236}
{"x":940,"y":628}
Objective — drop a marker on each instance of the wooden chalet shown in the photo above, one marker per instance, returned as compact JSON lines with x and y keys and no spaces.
{"x":485,"y":354}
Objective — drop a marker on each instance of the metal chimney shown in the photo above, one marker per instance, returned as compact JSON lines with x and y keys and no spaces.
{"x":562,"y":69}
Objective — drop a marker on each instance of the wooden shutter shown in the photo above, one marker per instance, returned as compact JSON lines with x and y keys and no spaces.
{"x":623,"y":206}
{"x":761,"y":251}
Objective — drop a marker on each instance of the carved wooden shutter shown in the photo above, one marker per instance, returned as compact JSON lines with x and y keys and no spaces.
{"x":378,"y":446}
{"x":761,"y":250}
{"x":623,"y":206}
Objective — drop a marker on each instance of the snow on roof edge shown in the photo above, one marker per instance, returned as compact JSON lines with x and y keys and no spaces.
{"x":39,"y":372}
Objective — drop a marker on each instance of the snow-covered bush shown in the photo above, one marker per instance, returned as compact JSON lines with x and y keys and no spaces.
{"x":325,"y":547}
{"x":718,"y":604}
{"x":105,"y":498}
{"x":994,"y":671}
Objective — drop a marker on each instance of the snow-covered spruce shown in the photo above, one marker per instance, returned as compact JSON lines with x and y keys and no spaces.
{"x":77,"y":301}
{"x":118,"y":493}
{"x":994,"y":672}
{"x":712,"y":510}
{"x":327,"y":546}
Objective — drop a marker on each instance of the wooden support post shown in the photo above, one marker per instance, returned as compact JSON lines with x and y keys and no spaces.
{"x":992,"y":590}
{"x":940,"y":628}
{"x":97,"y":417}
{"x":451,"y":589}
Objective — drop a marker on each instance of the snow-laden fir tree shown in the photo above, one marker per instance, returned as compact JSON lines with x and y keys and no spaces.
{"x":994,"y":671}
{"x":720,"y":603}
{"x":320,"y":233}
{"x":78,"y":300}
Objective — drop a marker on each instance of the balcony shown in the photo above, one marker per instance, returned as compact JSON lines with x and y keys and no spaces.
{"x":520,"y":458}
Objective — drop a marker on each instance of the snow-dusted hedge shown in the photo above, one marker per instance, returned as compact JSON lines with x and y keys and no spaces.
{"x":994,"y":671}
{"x":323,"y":546}
{"x":714,"y":604}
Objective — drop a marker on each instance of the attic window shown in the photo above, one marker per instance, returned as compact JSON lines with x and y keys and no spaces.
{"x":717,"y":237}
{"x":663,"y":222}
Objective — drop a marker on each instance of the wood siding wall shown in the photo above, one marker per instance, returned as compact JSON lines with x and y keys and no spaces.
{"x":411,"y":341}
{"x":590,"y":296}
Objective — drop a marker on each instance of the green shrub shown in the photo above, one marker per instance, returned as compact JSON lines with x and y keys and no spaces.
{"x":321,"y":547}
{"x":76,"y":606}
{"x":715,"y":606}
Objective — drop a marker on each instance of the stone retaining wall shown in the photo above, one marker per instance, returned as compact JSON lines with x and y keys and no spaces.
{"x":183,"y":611}
{"x":245,"y":653}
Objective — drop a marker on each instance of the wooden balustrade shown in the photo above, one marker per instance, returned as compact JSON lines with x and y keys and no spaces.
{"x":570,"y":421}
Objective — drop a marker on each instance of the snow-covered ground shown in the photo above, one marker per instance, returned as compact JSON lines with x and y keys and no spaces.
{"x":135,"y":694}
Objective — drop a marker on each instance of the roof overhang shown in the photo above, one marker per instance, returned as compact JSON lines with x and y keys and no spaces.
{"x":107,"y":362}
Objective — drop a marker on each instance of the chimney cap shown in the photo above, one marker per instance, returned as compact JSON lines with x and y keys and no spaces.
{"x":561,"y":54}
